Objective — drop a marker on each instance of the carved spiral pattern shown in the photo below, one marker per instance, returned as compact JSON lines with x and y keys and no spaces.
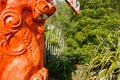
{"x":45,"y":8}
{"x":22,"y":41}
{"x":11,"y":18}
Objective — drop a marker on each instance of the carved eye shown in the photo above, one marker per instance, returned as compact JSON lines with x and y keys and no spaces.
{"x":11,"y":18}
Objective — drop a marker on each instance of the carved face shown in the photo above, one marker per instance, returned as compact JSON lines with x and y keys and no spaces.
{"x":44,"y":9}
{"x":22,"y":39}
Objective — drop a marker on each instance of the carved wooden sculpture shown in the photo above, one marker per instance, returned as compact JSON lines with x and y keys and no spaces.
{"x":22,"y":40}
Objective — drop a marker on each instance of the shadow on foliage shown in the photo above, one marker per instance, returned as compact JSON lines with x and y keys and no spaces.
{"x":59,"y":67}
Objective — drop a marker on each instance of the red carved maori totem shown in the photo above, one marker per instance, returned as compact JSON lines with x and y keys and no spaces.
{"x":22,"y":26}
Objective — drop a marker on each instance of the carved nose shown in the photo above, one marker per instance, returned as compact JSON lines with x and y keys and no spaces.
{"x":46,"y":7}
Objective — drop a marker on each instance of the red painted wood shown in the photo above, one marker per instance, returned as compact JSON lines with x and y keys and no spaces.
{"x":22,"y":26}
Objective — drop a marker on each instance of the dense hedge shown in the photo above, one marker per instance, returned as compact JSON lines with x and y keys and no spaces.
{"x":92,"y":37}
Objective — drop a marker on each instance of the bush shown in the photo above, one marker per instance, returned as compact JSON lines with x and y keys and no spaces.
{"x":60,"y":69}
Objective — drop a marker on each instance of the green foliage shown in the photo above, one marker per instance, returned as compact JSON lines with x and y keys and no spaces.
{"x":92,"y":38}
{"x":93,"y":31}
{"x":106,"y":66}
{"x":53,"y":41}
{"x":102,"y":67}
{"x":60,"y":69}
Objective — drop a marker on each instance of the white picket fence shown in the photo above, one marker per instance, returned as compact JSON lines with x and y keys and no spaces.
{"x":53,"y":51}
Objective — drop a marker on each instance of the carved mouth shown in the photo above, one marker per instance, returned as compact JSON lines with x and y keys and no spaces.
{"x":42,"y":16}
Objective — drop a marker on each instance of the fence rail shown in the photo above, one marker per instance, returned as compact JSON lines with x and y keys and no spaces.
{"x":54,"y":44}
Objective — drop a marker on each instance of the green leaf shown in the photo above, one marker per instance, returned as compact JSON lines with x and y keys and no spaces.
{"x":95,"y":58}
{"x":101,"y":74}
{"x":118,"y":77}
{"x":113,"y":66}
